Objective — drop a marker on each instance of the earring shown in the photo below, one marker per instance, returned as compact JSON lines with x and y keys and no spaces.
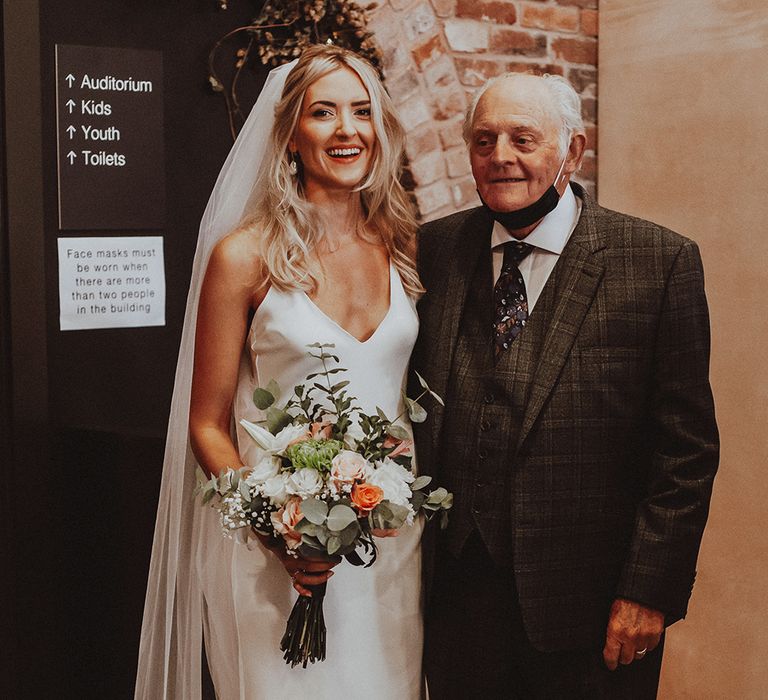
{"x":293,"y":167}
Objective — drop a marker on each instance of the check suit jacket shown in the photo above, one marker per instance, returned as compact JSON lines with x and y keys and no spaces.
{"x":614,"y":457}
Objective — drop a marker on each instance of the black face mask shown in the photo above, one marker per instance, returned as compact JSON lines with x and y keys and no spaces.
{"x":526,"y":216}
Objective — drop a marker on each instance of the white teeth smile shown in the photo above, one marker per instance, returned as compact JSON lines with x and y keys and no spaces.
{"x":343,"y":152}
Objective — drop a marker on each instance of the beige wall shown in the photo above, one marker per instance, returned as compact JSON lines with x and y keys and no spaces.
{"x":683,"y":115}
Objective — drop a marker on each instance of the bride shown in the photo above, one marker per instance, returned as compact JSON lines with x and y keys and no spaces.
{"x":308,"y":237}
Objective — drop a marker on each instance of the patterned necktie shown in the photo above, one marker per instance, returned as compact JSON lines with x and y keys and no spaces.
{"x":509,"y":298}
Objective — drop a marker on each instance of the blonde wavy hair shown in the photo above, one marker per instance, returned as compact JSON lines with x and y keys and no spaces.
{"x":285,"y":223}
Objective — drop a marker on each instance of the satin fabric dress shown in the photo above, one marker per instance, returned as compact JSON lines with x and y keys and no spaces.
{"x":373,"y":615}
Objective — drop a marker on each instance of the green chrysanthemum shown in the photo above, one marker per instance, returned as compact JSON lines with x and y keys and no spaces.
{"x":315,"y":454}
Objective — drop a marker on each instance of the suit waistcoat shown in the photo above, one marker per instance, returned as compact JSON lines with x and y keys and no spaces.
{"x":482,"y":423}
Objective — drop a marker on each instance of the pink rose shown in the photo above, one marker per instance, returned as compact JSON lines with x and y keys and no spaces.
{"x":321,"y":430}
{"x":402,"y":447}
{"x":348,"y":466}
{"x":285,"y":520}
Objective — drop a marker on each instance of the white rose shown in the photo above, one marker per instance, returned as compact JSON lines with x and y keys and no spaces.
{"x":393,"y":479}
{"x":348,"y":466}
{"x":305,"y":482}
{"x":266,"y":469}
{"x":275,"y":489}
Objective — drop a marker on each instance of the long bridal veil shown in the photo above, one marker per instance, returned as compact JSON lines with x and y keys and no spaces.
{"x":170,"y":650}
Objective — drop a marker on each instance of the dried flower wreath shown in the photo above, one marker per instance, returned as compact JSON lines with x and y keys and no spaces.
{"x":279,"y":33}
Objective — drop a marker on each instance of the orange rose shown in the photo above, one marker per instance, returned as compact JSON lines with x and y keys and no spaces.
{"x":366,"y":497}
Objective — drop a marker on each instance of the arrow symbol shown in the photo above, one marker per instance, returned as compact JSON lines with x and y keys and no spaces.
{"x":70,"y":79}
{"x":71,"y":104}
{"x":71,"y":131}
{"x":71,"y":155}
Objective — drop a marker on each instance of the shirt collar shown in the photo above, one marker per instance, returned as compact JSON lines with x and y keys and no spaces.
{"x":553,"y":230}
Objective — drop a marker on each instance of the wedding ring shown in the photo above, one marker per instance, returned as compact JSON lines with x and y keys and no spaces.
{"x":640,"y":654}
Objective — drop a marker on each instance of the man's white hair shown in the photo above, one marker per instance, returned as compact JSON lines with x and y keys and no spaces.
{"x":564,"y":96}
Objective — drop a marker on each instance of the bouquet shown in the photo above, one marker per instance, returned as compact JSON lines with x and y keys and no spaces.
{"x":330,"y":476}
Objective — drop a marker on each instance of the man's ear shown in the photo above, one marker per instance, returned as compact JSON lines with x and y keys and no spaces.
{"x":575,"y":153}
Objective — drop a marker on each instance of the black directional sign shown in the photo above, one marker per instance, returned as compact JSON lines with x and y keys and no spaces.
{"x":109,"y":109}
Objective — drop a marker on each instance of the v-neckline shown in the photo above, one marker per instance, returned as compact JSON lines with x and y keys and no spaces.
{"x":344,"y":330}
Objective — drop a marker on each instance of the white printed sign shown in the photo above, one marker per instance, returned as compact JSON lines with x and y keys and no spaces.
{"x":111,"y":282}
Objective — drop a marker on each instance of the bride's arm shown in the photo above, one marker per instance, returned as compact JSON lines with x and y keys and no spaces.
{"x":231,"y":288}
{"x":226,"y":298}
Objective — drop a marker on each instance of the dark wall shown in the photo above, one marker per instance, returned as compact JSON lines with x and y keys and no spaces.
{"x":101,"y":396}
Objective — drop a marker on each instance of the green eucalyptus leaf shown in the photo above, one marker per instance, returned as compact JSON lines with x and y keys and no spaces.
{"x":263,"y":398}
{"x":418,"y":500}
{"x":350,"y":533}
{"x":340,"y":385}
{"x":334,"y":544}
{"x":437,"y":398}
{"x":436,"y":497}
{"x":339,"y":517}
{"x":314,"y":510}
{"x":322,"y":533}
{"x":399,"y":515}
{"x":384,"y":511}
{"x":277,"y":419}
{"x":306,"y":527}
{"x":398,"y":432}
{"x":415,"y":412}
{"x":420,"y":482}
{"x":382,"y":415}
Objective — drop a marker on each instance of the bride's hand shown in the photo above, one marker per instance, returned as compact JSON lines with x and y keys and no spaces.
{"x":306,"y":572}
{"x":376,"y":532}
{"x":303,"y":572}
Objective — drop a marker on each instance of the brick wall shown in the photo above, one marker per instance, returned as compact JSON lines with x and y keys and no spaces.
{"x":437,"y":52}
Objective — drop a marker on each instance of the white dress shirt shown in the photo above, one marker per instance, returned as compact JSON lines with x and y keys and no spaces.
{"x":548,"y":240}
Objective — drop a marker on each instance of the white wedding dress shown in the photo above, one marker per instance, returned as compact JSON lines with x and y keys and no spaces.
{"x":373,"y":616}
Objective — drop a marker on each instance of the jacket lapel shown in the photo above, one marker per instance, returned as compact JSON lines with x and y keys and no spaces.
{"x":567,"y":296}
{"x":470,"y":241}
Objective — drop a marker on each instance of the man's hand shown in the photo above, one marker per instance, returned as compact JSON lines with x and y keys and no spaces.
{"x":633,"y":630}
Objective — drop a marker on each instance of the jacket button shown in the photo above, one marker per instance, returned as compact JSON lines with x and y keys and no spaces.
{"x":482,"y":453}
{"x":485,"y":425}
{"x":488,"y":398}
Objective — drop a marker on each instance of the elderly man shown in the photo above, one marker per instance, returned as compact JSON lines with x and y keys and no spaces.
{"x":571,"y":345}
